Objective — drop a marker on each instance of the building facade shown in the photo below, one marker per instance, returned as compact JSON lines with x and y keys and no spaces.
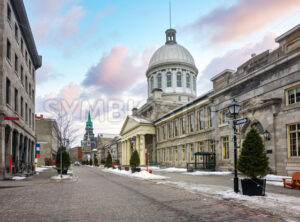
{"x":76,"y":154}
{"x":18,"y":62}
{"x":47,"y":136}
{"x":267,"y":86}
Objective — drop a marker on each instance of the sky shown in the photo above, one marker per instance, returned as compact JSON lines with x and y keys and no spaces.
{"x":96,"y":52}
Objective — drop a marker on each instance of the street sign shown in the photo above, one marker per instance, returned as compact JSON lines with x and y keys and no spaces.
{"x":241,"y":121}
{"x":11,"y":118}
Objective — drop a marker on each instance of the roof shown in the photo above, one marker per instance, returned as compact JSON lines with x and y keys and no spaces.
{"x":279,"y":38}
{"x":20,"y":11}
{"x":171,"y":53}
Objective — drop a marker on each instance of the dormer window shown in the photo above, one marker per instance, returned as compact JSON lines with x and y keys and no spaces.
{"x":188,"y":81}
{"x":159,"y":81}
{"x":169,"y":79}
{"x":152,"y":83}
{"x":179,"y":80}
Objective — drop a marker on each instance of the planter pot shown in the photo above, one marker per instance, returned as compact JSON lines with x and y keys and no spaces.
{"x":253,"y":187}
{"x":190,"y":170}
{"x":135,"y":169}
{"x":127,"y":168}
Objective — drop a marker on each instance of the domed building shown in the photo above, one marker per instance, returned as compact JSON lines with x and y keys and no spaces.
{"x":171,"y":77}
{"x":172,"y":69}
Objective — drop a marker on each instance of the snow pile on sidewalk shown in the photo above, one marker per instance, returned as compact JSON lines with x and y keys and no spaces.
{"x":41,"y":169}
{"x":172,"y":170}
{"x":18,"y":178}
{"x":209,"y":173}
{"x":143,"y":175}
{"x":286,"y":206}
{"x":275,"y":180}
{"x":150,"y":168}
{"x":63,"y":177}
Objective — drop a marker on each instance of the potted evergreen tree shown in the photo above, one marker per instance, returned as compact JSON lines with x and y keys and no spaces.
{"x":135,"y":162}
{"x":66,"y":162}
{"x":253,"y":163}
{"x":108,"y":162}
{"x":96,"y":161}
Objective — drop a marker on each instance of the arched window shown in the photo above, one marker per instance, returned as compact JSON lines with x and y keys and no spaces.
{"x":152,"y":83}
{"x":188,"y":81}
{"x":194,"y":82}
{"x":159,"y":81}
{"x":179,"y":80}
{"x":169,"y":79}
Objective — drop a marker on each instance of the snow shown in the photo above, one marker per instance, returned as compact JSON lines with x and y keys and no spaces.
{"x":143,"y":175}
{"x":18,"y":178}
{"x":286,"y":206}
{"x":150,"y":168}
{"x":172,"y":170}
{"x":59,"y":178}
{"x":41,"y":169}
{"x":209,"y":173}
{"x":275,"y":183}
{"x":276,"y":177}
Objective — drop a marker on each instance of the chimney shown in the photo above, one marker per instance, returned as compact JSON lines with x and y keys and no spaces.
{"x":134,"y":111}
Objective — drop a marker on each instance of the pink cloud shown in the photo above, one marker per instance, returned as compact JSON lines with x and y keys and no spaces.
{"x":70,"y":92}
{"x":118,"y":70}
{"x":246,"y":17}
{"x":45,"y":73}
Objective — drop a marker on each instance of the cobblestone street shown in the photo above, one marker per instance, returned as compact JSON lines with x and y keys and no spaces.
{"x":100,"y":196}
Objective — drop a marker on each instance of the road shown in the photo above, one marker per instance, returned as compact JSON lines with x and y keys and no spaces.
{"x":101,"y":196}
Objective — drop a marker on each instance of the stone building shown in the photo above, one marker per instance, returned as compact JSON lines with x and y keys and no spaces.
{"x":76,"y":154}
{"x":267,"y":86}
{"x":104,"y":143}
{"x":47,"y":136}
{"x":114,"y":149}
{"x":18,"y":62}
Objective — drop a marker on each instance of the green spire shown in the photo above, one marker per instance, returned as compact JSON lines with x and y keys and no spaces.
{"x":89,"y":122}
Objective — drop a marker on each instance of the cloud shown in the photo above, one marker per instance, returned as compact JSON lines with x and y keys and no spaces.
{"x":118,"y":70}
{"x":225,"y":24}
{"x":56,"y":20}
{"x":232,"y":59}
{"x":103,"y":13}
{"x":46,"y":73}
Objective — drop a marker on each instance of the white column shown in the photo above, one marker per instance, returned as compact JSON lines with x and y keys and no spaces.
{"x":142,"y":150}
{"x":137,"y":143}
{"x":128,"y":152}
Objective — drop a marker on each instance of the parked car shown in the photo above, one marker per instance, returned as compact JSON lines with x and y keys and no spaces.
{"x":77,"y":163}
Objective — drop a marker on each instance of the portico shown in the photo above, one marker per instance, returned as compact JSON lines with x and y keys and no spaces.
{"x":133,"y":137}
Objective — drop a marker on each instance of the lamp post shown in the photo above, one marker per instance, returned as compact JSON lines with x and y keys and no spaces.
{"x":234,"y":109}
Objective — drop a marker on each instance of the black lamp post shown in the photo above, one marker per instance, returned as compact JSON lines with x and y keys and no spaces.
{"x":234,"y":109}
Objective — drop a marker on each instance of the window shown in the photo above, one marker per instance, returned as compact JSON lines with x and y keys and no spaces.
{"x":29,"y":117}
{"x":176,"y":127}
{"x":224,"y":118}
{"x":210,"y":117}
{"x":200,"y":117}
{"x":22,"y":46}
{"x":26,"y":84}
{"x":188,"y":81}
{"x":293,"y":95}
{"x":183,"y":152}
{"x":225,"y":148}
{"x":29,"y":90}
{"x":21,"y":107}
{"x":22,"y":75}
{"x":33,"y":96}
{"x":164,"y":132}
{"x":16,"y":62}
{"x":200,"y":149}
{"x":26,"y":56}
{"x":16,"y":100}
{"x":191,"y":123}
{"x":159,"y":81}
{"x":211,"y":146}
{"x":194,"y":83}
{"x":8,"y":50}
{"x":29,"y":66}
{"x":16,"y":32}
{"x":7,"y":91}
{"x":175,"y":154}
{"x":169,"y":130}
{"x":191,"y":152}
{"x":169,"y":80}
{"x":170,"y":155}
{"x":32,"y":120}
{"x":8,"y":13}
{"x":179,"y":80}
{"x":179,"y":98}
{"x":294,"y":140}
{"x":26,"y":112}
{"x":182,"y":125}
{"x":152,"y":83}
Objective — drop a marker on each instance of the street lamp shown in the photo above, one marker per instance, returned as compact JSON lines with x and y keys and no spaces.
{"x":267,"y":135}
{"x":234,"y":109}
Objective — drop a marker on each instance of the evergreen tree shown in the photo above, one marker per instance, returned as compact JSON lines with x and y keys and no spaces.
{"x":95,"y":161}
{"x":135,"y":159}
{"x":66,"y":162}
{"x":91,"y":162}
{"x":108,"y":161}
{"x":253,"y":161}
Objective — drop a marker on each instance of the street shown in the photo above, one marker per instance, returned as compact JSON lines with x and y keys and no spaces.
{"x":99,"y":196}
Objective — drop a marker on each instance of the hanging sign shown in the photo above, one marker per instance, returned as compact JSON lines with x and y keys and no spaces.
{"x":11,"y":118}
